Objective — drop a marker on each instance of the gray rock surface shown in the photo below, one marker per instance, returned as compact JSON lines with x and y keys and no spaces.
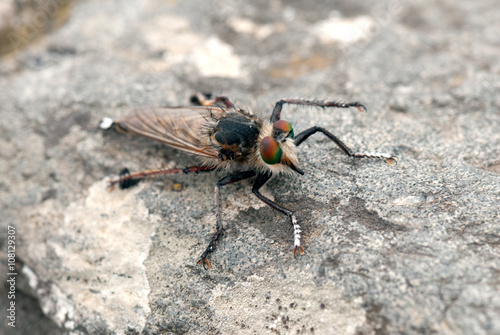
{"x":412,"y":248}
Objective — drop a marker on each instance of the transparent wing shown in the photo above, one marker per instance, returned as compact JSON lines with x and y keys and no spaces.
{"x":177,"y":127}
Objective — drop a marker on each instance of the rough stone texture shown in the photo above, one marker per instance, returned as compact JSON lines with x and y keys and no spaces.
{"x":24,"y":21}
{"x":413,"y":248}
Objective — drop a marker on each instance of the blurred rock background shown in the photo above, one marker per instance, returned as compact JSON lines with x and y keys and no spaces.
{"x":410,"y":249}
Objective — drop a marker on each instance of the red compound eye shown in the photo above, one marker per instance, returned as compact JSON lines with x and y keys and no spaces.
{"x":270,"y":151}
{"x":285,"y":126}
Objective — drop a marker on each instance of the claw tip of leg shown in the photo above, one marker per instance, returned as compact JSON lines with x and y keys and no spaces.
{"x":299,"y":249}
{"x":392,"y":161}
{"x":361,"y":108}
{"x":111,"y":187}
{"x":205,"y":263}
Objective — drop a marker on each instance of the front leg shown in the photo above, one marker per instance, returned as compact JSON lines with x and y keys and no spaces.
{"x":276,"y":115}
{"x":308,"y":132}
{"x":259,"y":182}
{"x":232,"y":178}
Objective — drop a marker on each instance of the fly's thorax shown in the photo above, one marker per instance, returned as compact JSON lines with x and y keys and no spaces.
{"x":281,"y":147}
{"x":234,"y":135}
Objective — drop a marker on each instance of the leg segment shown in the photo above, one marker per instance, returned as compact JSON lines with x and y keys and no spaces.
{"x":259,"y":182}
{"x":232,"y":178}
{"x":308,"y":132}
{"x":275,"y":116}
{"x":128,"y":179}
{"x":206,"y":100}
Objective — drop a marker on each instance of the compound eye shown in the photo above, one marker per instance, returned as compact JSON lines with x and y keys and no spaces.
{"x":270,"y":151}
{"x":285,"y":126}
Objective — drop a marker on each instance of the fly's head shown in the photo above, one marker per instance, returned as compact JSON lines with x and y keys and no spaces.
{"x":277,"y":148}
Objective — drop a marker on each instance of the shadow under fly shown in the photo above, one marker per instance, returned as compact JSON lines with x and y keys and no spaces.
{"x":231,"y":140}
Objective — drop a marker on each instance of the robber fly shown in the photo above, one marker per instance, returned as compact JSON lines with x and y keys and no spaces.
{"x":231,"y":140}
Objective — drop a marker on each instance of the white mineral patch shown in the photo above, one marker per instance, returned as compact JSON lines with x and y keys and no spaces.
{"x":217,"y":59}
{"x":343,"y":30}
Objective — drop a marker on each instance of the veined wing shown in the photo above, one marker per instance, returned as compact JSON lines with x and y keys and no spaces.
{"x":177,"y":127}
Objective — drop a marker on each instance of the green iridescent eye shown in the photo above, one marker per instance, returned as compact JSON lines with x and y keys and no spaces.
{"x":270,"y":151}
{"x":285,"y":126}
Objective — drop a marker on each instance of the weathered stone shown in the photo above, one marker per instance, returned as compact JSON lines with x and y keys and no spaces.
{"x":411,"y":248}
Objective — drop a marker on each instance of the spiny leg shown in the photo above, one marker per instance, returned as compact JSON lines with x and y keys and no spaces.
{"x":204,"y":99}
{"x":232,"y":178}
{"x":259,"y":182}
{"x":207,"y":100}
{"x":127,"y":179}
{"x":308,"y":132}
{"x":275,"y":116}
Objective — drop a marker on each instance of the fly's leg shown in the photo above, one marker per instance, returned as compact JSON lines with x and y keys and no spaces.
{"x":127,"y":179}
{"x":259,"y":182}
{"x":275,"y":116}
{"x":232,"y":178}
{"x":204,"y":99}
{"x":308,"y":132}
